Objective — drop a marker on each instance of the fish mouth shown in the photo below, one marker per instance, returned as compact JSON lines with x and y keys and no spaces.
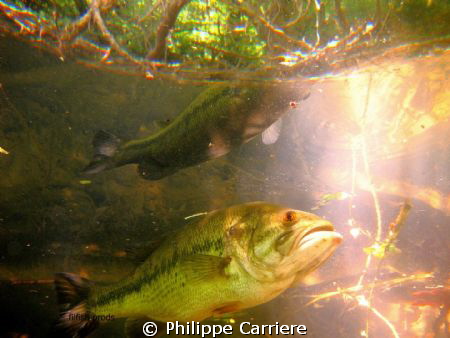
{"x":318,"y":242}
{"x":292,"y":241}
{"x":318,"y":228}
{"x":314,"y":246}
{"x":321,"y":232}
{"x":307,"y":246}
{"x":324,"y":230}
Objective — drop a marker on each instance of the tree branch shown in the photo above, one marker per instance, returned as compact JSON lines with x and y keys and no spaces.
{"x":167,"y":23}
{"x":74,"y":29}
{"x":95,"y":7}
{"x":268,"y":26}
{"x":150,"y":11}
{"x":301,"y":15}
{"x":341,"y":16}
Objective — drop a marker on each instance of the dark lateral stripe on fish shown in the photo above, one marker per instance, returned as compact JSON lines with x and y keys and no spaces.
{"x":206,"y":104}
{"x":164,"y":268}
{"x":212,"y":101}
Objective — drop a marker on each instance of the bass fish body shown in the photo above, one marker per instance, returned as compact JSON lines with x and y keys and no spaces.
{"x":230,"y":260}
{"x":219,"y":119}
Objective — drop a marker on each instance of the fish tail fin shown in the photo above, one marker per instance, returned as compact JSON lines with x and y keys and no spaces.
{"x":105,"y":146}
{"x":75,"y":319}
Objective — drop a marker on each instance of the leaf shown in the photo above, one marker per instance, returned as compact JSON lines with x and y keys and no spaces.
{"x":327,"y":198}
{"x":380,"y":250}
{"x":3,"y":151}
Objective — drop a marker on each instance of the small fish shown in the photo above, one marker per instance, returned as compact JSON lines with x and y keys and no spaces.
{"x":218,"y":120}
{"x":231,"y":259}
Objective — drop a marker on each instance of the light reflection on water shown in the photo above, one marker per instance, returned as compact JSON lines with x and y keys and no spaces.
{"x":379,"y":137}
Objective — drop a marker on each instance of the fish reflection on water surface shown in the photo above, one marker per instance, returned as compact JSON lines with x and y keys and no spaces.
{"x":218,"y":120}
{"x":231,"y":259}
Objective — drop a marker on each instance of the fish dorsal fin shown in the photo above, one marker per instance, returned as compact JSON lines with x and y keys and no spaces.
{"x":205,"y":267}
{"x":134,"y":327}
{"x":271,"y":134}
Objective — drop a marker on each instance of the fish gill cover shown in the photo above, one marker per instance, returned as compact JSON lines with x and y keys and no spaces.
{"x":214,"y":40}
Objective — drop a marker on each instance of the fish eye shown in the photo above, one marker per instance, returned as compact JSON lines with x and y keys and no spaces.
{"x":290,"y":217}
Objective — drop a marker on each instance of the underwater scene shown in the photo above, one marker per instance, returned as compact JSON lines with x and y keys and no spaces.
{"x":225,"y":168}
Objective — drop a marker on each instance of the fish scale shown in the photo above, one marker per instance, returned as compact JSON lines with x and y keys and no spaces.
{"x":229,"y":260}
{"x":218,"y":120}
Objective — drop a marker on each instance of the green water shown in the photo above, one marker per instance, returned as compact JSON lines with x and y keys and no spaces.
{"x":53,"y":219}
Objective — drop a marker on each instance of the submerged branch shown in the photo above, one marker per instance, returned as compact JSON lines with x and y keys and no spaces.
{"x":382,"y":318}
{"x":356,"y":289}
{"x":397,"y":225}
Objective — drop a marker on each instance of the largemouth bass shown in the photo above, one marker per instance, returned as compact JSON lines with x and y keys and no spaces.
{"x":231,"y":259}
{"x":219,"y":119}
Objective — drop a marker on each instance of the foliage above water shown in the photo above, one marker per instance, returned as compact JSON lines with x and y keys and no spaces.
{"x":220,"y":38}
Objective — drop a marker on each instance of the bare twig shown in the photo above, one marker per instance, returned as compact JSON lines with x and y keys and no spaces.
{"x":383,"y":319}
{"x":26,"y":20}
{"x":225,"y":52}
{"x":359,"y":288}
{"x":271,"y":28}
{"x":95,"y":7}
{"x":167,"y":23}
{"x":301,"y":15}
{"x":358,"y":45}
{"x":76,"y":28}
{"x":376,"y":201}
{"x":150,"y":11}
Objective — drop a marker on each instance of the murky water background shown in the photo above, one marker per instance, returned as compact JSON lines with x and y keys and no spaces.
{"x":370,"y":139}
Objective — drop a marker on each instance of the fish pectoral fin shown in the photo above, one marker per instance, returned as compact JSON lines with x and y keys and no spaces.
{"x":105,"y":146}
{"x":105,"y":143}
{"x":271,"y":134}
{"x":134,"y":327}
{"x":205,"y":267}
